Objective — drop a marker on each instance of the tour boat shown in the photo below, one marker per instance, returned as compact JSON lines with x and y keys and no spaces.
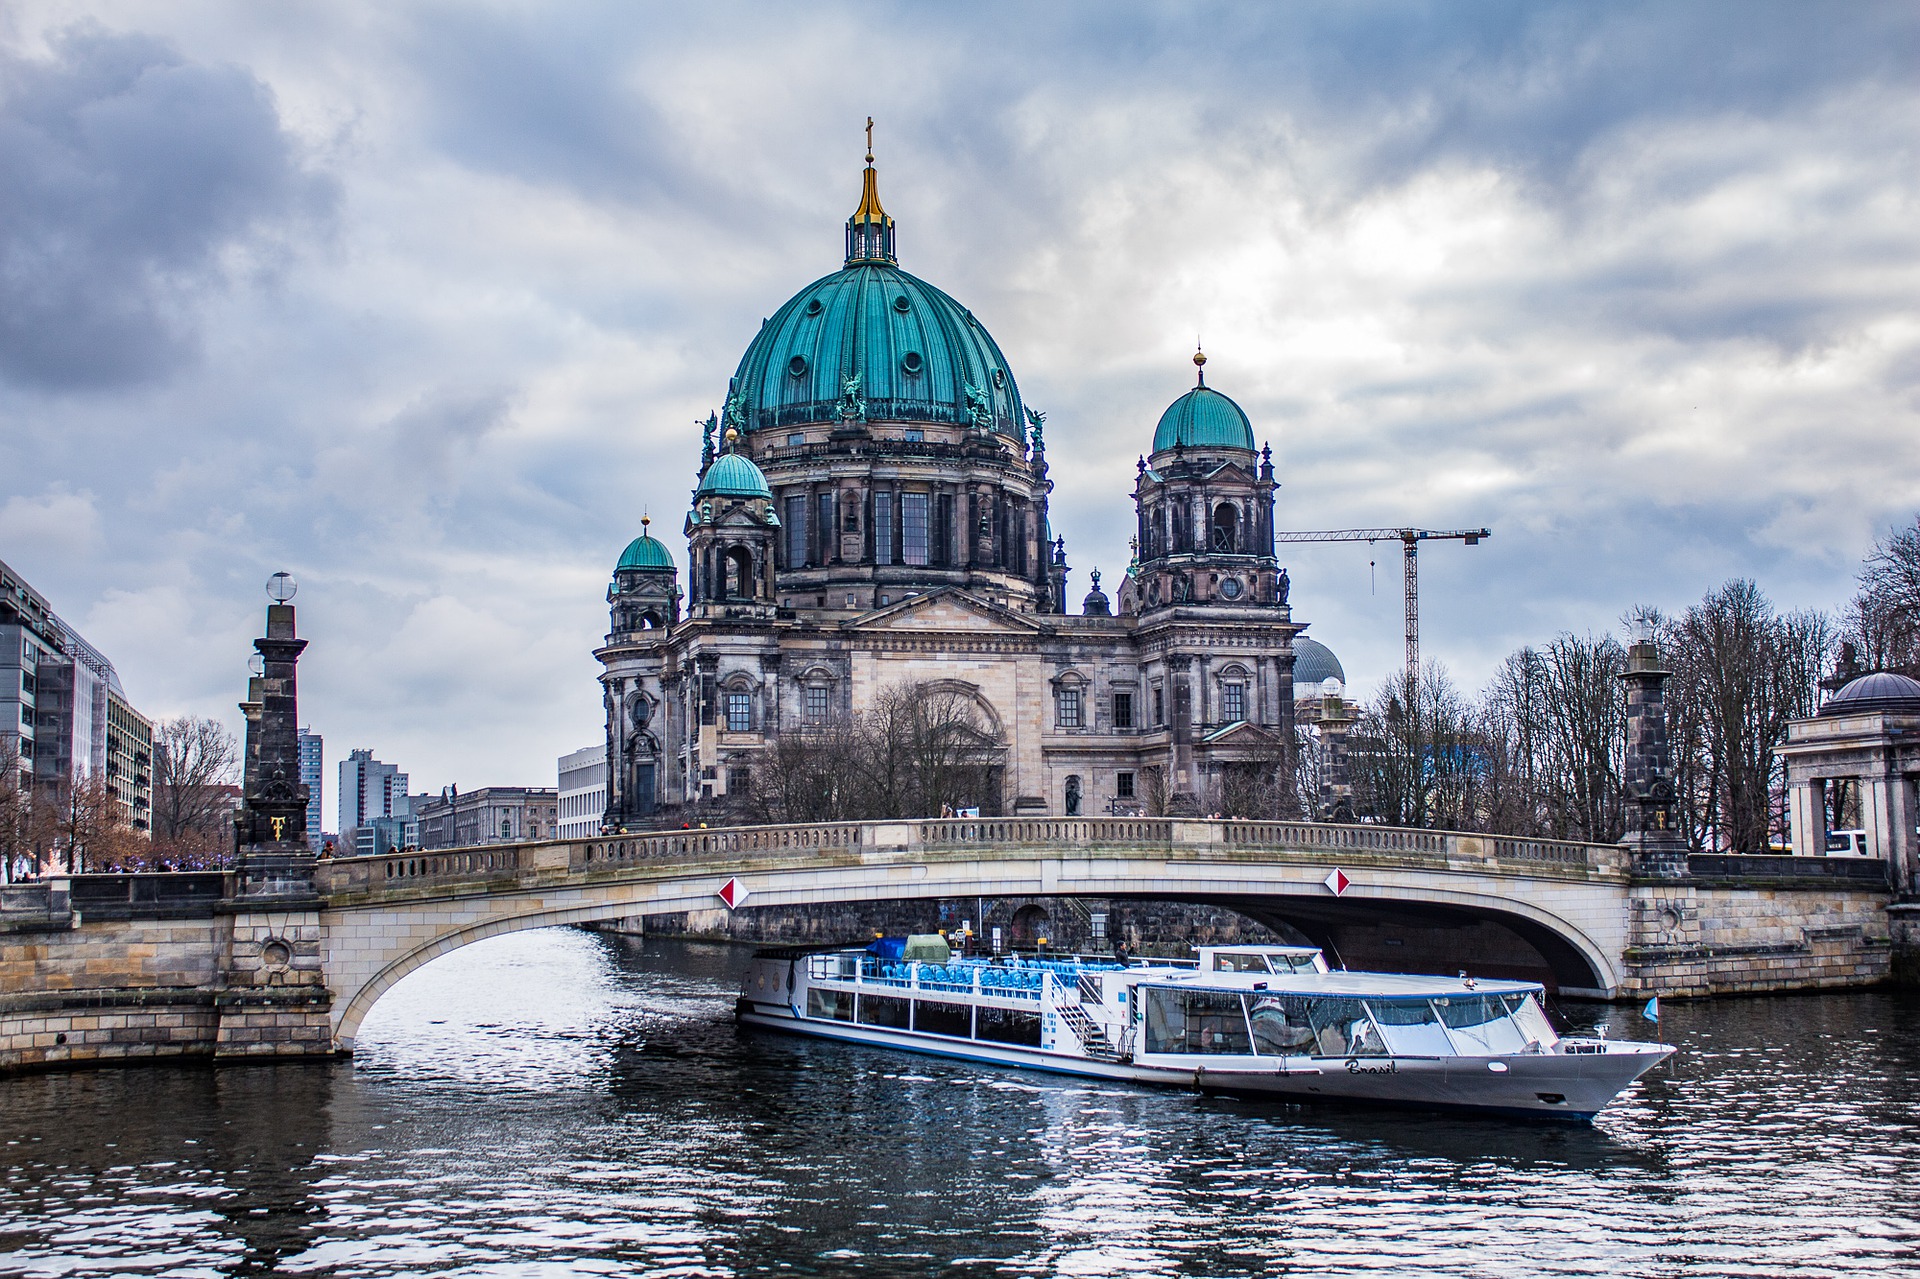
{"x":1271,"y":1021}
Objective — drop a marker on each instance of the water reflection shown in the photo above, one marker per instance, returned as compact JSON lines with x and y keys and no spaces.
{"x":564,"y":1102}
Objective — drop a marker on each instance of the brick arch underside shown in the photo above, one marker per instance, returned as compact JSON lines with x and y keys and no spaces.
{"x":1575,"y":962}
{"x":1565,"y":963}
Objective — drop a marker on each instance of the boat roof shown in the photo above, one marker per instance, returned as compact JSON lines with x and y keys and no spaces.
{"x":1351,"y":985}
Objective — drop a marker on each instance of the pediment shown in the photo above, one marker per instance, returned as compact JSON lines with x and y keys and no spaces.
{"x":949,"y":609}
{"x":1231,"y":471}
{"x":1241,"y":733}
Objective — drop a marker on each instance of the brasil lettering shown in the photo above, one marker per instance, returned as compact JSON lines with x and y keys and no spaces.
{"x":1355,"y":1068}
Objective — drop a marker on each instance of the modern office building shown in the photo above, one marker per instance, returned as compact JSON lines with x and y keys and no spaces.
{"x":62,"y":706}
{"x":312,"y":774}
{"x":375,"y":812}
{"x":582,"y":805}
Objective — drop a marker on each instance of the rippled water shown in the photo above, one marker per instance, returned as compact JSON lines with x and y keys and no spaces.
{"x":559,"y":1103}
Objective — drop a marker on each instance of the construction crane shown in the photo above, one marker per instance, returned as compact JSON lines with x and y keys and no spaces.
{"x":1409,"y":539}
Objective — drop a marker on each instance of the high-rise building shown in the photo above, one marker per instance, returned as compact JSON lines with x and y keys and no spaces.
{"x":369,"y":788}
{"x":583,"y":791}
{"x":62,"y":706}
{"x":312,"y":771}
{"x":129,"y":767}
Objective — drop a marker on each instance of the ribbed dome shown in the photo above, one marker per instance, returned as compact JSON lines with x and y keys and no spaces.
{"x":733,"y":475}
{"x":1203,"y":418}
{"x":645,"y":552}
{"x":1880,"y":691}
{"x":1314,"y":662}
{"x":915,"y":349}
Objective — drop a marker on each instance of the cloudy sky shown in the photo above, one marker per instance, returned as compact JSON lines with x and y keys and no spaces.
{"x":421,"y":302}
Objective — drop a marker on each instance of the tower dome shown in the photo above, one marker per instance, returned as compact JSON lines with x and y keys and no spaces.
{"x":1877,"y":691}
{"x":733,"y":475}
{"x":1203,"y":418}
{"x":643,"y":553}
{"x":918,"y":355}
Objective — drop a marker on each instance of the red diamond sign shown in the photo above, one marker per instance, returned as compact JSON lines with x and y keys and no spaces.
{"x":733,"y":892}
{"x":1337,"y":881}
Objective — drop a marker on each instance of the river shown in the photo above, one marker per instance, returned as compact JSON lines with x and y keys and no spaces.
{"x":557,"y":1102}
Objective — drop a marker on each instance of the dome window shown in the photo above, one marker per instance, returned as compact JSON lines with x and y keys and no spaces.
{"x":814,"y":307}
{"x":911,"y":362}
{"x":797,"y":366}
{"x":999,"y":377}
{"x":901,"y":304}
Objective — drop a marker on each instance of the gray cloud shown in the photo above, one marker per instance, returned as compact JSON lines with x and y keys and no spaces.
{"x":129,"y":175}
{"x":1634,"y":284}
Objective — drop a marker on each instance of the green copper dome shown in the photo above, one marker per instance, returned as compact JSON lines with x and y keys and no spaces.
{"x":644,"y":552}
{"x":920,"y":356}
{"x":733,"y":475}
{"x":1203,"y":418}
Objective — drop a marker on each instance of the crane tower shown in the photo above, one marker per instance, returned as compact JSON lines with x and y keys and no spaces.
{"x":1409,"y":539}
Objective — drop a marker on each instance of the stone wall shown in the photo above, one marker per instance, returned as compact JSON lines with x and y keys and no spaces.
{"x":1698,"y":938}
{"x":104,"y":990}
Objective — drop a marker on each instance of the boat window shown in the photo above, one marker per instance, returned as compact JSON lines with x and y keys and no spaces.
{"x":942,"y":1019}
{"x":1411,"y":1027}
{"x":1341,"y":1028}
{"x":834,"y":1005}
{"x":884,"y":1010}
{"x":1532,"y":1020}
{"x":1285,"y":961}
{"x":1281,"y":1027}
{"x":1008,"y":1026}
{"x":1196,"y":1021}
{"x":1240,"y":964}
{"x":1480,"y":1024}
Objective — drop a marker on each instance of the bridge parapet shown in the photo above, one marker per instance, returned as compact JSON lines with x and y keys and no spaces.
{"x":946,"y":837}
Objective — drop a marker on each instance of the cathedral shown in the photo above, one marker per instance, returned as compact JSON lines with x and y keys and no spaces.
{"x":871,"y":511}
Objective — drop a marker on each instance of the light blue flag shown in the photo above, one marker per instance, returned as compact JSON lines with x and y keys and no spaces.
{"x":1652,"y":1011}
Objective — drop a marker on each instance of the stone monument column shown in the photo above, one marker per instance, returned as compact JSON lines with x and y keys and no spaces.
{"x":274,"y":1001}
{"x":1653,"y":828}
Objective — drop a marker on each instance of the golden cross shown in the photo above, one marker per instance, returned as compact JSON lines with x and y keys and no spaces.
{"x":869,"y":139}
{"x":279,"y":824}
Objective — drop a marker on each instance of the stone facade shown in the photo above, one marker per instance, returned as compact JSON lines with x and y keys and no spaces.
{"x":885,"y":521}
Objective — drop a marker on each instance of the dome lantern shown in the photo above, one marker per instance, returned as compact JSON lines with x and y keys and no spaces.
{"x":870,"y":230}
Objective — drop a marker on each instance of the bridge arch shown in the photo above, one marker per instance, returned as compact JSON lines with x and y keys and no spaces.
{"x":1574,"y":919}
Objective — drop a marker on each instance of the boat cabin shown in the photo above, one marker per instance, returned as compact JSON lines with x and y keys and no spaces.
{"x":1283,"y":960}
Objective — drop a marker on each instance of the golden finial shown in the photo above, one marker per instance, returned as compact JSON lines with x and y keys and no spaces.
{"x":732,"y":435}
{"x":644,"y":521}
{"x":869,"y":139}
{"x":1200,"y":363}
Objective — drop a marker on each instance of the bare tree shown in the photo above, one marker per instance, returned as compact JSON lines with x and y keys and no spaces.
{"x":16,"y":809}
{"x":1884,"y":620}
{"x":78,"y":820}
{"x":1740,"y":672}
{"x":920,"y":749}
{"x":1553,"y":724}
{"x":1261,"y":783}
{"x":937,"y":751}
{"x":196,"y":762}
{"x":1414,"y":757}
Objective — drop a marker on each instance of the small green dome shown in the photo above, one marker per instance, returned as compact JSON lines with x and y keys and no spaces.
{"x":644,"y":552}
{"x":733,"y":475}
{"x":1203,"y":418}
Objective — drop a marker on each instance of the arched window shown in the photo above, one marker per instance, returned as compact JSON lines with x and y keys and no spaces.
{"x":1226,"y":528}
{"x":739,"y":573}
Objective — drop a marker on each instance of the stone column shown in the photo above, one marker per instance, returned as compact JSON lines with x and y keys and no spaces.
{"x":1806,"y":821}
{"x":1653,"y":832}
{"x":1336,"y":787}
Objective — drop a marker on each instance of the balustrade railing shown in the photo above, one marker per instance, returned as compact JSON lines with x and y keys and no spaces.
{"x":1174,"y":836}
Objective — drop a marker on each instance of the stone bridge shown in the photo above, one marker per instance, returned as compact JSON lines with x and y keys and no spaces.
{"x":95,"y":969}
